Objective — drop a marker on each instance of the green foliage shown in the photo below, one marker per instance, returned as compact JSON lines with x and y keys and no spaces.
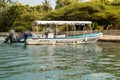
{"x":62,"y":3}
{"x":25,"y":21}
{"x":12,"y":13}
{"x":99,"y":13}
{"x":37,"y":8}
{"x":77,"y":11}
{"x":4,"y":6}
{"x":19,"y":28}
{"x":46,"y":6}
{"x":20,"y":17}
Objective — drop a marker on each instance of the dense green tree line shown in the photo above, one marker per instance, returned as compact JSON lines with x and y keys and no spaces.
{"x":104,"y":14}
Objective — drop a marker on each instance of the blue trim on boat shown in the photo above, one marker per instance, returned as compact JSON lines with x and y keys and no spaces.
{"x":81,"y":36}
{"x":87,"y":35}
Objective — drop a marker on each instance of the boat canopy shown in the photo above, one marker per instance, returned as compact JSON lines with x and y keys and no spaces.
{"x":62,"y":22}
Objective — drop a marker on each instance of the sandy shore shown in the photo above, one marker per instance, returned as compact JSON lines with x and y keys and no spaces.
{"x":110,"y":38}
{"x":2,"y":38}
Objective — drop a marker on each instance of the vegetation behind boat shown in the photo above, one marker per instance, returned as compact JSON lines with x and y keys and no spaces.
{"x":105,"y":15}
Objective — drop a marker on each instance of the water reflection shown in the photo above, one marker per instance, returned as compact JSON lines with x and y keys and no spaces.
{"x":59,"y":62}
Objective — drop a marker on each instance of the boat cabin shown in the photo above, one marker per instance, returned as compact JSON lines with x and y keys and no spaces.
{"x":51,"y":29}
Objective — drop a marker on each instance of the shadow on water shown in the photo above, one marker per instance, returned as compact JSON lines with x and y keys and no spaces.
{"x":58,"y":62}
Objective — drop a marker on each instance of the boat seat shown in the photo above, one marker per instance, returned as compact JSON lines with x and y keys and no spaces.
{"x":60,"y":36}
{"x":51,"y":35}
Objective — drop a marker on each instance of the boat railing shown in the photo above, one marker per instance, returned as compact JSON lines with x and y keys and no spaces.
{"x":69,"y":33}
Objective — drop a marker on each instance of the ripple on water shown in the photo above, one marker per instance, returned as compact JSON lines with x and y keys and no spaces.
{"x":111,"y":56}
{"x":47,"y":62}
{"x":99,"y":76}
{"x":117,"y":64}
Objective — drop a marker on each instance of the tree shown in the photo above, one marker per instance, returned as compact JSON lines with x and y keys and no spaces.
{"x":46,"y":6}
{"x":101,"y":1}
{"x":116,"y":2}
{"x":24,"y":22}
{"x":99,"y":13}
{"x":5,"y":3}
{"x":4,"y":7}
{"x":12,"y":13}
{"x":38,"y":8}
{"x":62,"y":3}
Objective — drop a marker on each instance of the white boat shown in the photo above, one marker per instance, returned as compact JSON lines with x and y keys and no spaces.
{"x":53,"y":38}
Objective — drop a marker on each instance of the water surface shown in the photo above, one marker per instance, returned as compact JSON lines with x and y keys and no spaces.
{"x":100,"y":61}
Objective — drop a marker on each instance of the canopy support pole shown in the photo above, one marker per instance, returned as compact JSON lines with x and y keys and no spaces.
{"x":67,"y":30}
{"x":37,"y":30}
{"x":32,"y":26}
{"x":74,"y":30}
{"x":91,"y":28}
{"x":55,"y":30}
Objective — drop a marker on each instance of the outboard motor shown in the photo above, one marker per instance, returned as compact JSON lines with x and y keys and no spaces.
{"x":18,"y":39}
{"x":10,"y":37}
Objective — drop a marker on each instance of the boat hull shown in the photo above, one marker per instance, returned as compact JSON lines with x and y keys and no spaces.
{"x":88,"y":38}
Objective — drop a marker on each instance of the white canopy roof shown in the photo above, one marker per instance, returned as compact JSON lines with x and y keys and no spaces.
{"x":63,"y":22}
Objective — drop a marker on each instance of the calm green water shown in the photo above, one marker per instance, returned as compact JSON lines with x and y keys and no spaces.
{"x":100,"y":61}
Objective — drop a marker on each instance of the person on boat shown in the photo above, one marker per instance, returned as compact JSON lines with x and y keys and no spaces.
{"x":27,"y":34}
{"x":46,"y":32}
{"x":23,"y":36}
{"x":11,"y":37}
